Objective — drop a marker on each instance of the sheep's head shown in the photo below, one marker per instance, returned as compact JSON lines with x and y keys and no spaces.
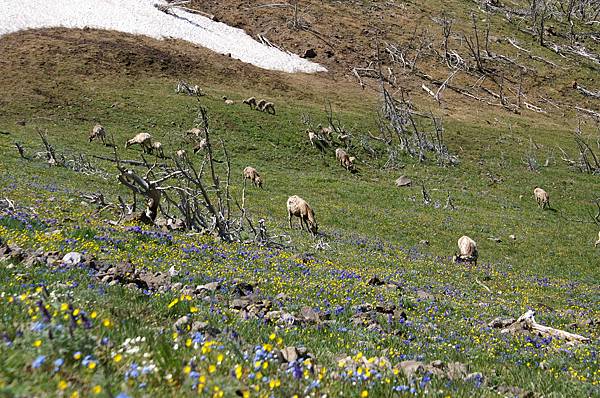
{"x":313,"y":227}
{"x":259,"y":181}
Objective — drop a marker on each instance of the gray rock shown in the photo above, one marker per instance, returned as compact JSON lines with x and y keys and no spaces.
{"x":72,"y":258}
{"x":182,"y":323}
{"x":411,"y":368}
{"x":403,"y":181}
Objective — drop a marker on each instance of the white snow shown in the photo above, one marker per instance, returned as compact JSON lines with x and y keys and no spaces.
{"x":140,"y":17}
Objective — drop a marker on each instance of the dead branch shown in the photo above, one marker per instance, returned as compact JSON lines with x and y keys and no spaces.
{"x":527,"y":323}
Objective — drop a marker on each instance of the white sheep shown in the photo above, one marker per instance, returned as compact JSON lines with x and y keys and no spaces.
{"x":98,"y":132}
{"x":181,"y":153}
{"x":251,"y":174}
{"x":260,"y":104}
{"x":157,"y":146}
{"x":467,"y":250}
{"x":269,"y":107}
{"x":142,"y":139}
{"x":201,"y":145}
{"x":298,"y":207}
{"x":598,"y":241}
{"x":344,"y":159}
{"x":228,"y":101}
{"x":541,"y":197}
{"x":251,"y":102}
{"x":325,"y":131}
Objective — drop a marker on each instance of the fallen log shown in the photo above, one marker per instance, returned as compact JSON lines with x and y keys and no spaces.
{"x":527,"y":323}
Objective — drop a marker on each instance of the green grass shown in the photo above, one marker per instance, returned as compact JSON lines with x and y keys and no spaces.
{"x":372,"y":228}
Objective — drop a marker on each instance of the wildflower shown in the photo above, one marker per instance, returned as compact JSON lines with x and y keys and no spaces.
{"x":38,"y":361}
{"x":93,"y":315}
{"x":122,"y":395}
{"x":37,"y":343}
{"x":212,"y":369}
{"x":364,"y":394}
{"x":107,"y":323}
{"x":62,"y":385}
{"x":58,"y":363}
{"x":238,"y":372}
{"x":118,"y":358}
{"x":173,"y":303}
{"x":96,"y":390}
{"x":64,"y":306}
{"x":77,"y":355}
{"x":187,"y":369}
{"x":272,"y":336}
{"x":75,"y":394}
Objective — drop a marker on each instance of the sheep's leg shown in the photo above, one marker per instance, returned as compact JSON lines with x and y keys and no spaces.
{"x":290,"y":219}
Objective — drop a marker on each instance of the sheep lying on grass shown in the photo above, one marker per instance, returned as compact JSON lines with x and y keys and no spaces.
{"x":298,"y":207}
{"x":142,"y":139}
{"x":467,"y":251}
{"x":251,"y":174}
{"x":251,"y":102}
{"x":98,"y":132}
{"x":228,"y":101}
{"x":344,"y":159}
{"x":541,"y":197}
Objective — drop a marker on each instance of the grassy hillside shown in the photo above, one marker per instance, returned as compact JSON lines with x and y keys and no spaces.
{"x":67,"y":332}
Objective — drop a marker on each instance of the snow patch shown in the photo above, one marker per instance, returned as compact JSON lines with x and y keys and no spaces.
{"x":141,"y":17}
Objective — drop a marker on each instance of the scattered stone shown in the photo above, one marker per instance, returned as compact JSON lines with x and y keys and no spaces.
{"x":456,"y":371}
{"x":209,"y":287}
{"x":309,"y":53}
{"x":72,"y":258}
{"x":422,"y":294}
{"x":204,"y":327}
{"x":411,"y":368}
{"x":288,"y":354}
{"x":182,"y":323}
{"x":309,"y":315}
{"x":403,"y":181}
{"x":375,"y":281}
{"x":499,"y":323}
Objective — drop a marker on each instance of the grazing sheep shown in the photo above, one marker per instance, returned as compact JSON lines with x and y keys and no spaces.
{"x":541,"y":197}
{"x":251,"y":174}
{"x":260,"y":104}
{"x":344,"y":139}
{"x":598,"y":241}
{"x":157,"y":146}
{"x":298,"y":207}
{"x":312,"y":137}
{"x":98,"y":132}
{"x":142,"y":139}
{"x":467,"y":250}
{"x":344,"y":159}
{"x":201,"y":145}
{"x":196,"y":132}
{"x":269,"y":107}
{"x":325,"y":131}
{"x":251,"y":102}
{"x":181,"y":153}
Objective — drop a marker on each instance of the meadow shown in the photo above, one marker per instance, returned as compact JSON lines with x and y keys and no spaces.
{"x":381,"y":289}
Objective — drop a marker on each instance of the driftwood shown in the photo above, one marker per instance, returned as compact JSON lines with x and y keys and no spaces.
{"x":527,"y":323}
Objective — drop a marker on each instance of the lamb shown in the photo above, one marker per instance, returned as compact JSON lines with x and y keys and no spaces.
{"x":142,"y":139}
{"x":467,"y":251}
{"x":598,"y":241}
{"x":157,"y":146}
{"x":228,"y":101}
{"x":251,"y":174}
{"x":251,"y":102}
{"x":541,"y":197}
{"x":345,"y":160}
{"x":298,"y":207}
{"x":98,"y":132}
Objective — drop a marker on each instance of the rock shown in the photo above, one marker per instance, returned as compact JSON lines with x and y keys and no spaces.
{"x":512,"y":391}
{"x":182,"y":323}
{"x":132,"y":285}
{"x":456,"y":370}
{"x":288,"y":354}
{"x":309,"y":53}
{"x":499,"y":323}
{"x":309,"y":315}
{"x":238,"y":304}
{"x":72,"y":258}
{"x":204,"y":327}
{"x":403,"y":181}
{"x":241,"y":288}
{"x":375,"y":281}
{"x":411,"y":368}
{"x":209,"y":287}
{"x":422,"y":294}
{"x":177,"y":286}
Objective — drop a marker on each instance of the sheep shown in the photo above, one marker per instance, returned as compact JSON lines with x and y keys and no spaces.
{"x":344,"y":138}
{"x":344,"y":159}
{"x":467,"y":251}
{"x":260,"y":104}
{"x":251,"y":174}
{"x":196,"y":132}
{"x":201,"y":145}
{"x":541,"y":197}
{"x":251,"y":102}
{"x":298,"y":207}
{"x":598,"y":241}
{"x":98,"y":132}
{"x":228,"y":101}
{"x":157,"y":146}
{"x":142,"y":139}
{"x":181,"y":153}
{"x":269,"y":107}
{"x":325,"y":131}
